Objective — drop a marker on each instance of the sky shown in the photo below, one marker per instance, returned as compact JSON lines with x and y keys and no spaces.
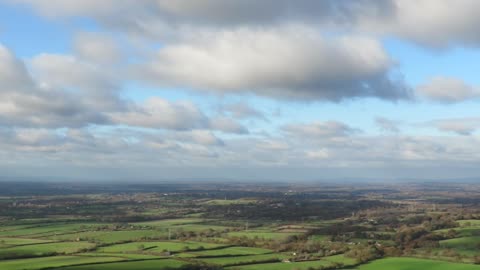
{"x":239,"y":89}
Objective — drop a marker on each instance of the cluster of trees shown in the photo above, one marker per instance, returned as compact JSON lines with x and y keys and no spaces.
{"x":364,"y":253}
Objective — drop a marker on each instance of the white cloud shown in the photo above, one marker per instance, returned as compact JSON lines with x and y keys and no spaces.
{"x":157,"y":113}
{"x":437,"y":23}
{"x":447,"y":90}
{"x":320,"y":129}
{"x":13,"y":73}
{"x":241,"y":110}
{"x":460,"y":126}
{"x":293,"y":62}
{"x":270,"y":48}
{"x":227,"y":125}
{"x":97,"y":48}
{"x":23,"y":102}
{"x":68,"y":92}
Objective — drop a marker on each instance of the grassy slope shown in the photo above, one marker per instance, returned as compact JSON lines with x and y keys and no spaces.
{"x":58,"y":261}
{"x":415,"y":264}
{"x":136,"y":265}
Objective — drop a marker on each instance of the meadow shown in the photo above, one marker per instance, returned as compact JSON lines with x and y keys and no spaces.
{"x":414,"y":264}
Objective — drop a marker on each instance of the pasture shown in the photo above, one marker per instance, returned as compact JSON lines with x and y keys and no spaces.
{"x":415,"y":264}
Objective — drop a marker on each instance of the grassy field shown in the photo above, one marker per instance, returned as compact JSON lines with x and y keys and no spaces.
{"x":464,"y":231}
{"x":341,"y":259}
{"x":50,"y":262}
{"x":262,"y":234}
{"x":284,"y":265}
{"x":305,"y":265}
{"x":126,"y":256}
{"x":465,"y":243}
{"x":469,"y":223}
{"x":135,"y":265}
{"x":8,"y":241}
{"x":169,"y":222}
{"x":229,"y":202}
{"x":44,"y":249}
{"x":236,"y":260}
{"x":415,"y":264}
{"x":46,"y":230}
{"x":172,"y":246}
{"x":231,"y":251}
{"x":109,"y":237}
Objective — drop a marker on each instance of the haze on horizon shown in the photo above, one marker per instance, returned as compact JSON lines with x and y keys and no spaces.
{"x":239,"y":89}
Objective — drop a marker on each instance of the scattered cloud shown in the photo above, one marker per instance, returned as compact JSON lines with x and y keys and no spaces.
{"x":72,"y":108}
{"x":460,"y":126}
{"x":320,"y":130}
{"x":97,"y":48}
{"x":160,"y":113}
{"x":387,"y":125}
{"x":227,"y":125}
{"x":242,"y":110}
{"x":447,"y":90}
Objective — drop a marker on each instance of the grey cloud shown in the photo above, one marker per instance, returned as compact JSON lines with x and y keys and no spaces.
{"x":97,"y":48}
{"x":67,"y":92}
{"x":241,"y":110}
{"x":320,"y":130}
{"x":432,"y":23}
{"x":23,"y":102}
{"x":203,"y":149}
{"x":160,"y":113}
{"x":460,"y":126}
{"x":447,"y":90}
{"x":128,"y":15}
{"x":202,"y":137}
{"x":227,"y":125}
{"x":13,"y":73}
{"x":428,"y":22}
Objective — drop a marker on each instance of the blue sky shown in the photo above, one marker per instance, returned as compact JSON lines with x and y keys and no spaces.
{"x":207,"y":89}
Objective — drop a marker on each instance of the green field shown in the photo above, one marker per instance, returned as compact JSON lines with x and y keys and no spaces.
{"x":465,"y":243}
{"x":262,"y":235}
{"x":44,"y":249}
{"x":415,"y":264}
{"x":172,"y":246}
{"x":230,"y":251}
{"x":229,"y":202}
{"x":169,"y":222}
{"x":469,"y":222}
{"x":337,"y":260}
{"x":136,"y":265}
{"x":151,"y":231}
{"x":284,"y":265}
{"x":110,"y":237}
{"x":236,"y":260}
{"x":44,"y":230}
{"x":49,"y":262}
{"x":8,"y":241}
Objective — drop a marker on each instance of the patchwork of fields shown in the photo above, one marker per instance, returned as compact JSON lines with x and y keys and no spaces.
{"x":140,"y":245}
{"x":198,"y":231}
{"x":415,"y":264}
{"x":145,"y":246}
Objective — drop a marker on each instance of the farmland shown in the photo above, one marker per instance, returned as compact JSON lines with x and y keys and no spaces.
{"x":184,"y":228}
{"x":409,"y":263}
